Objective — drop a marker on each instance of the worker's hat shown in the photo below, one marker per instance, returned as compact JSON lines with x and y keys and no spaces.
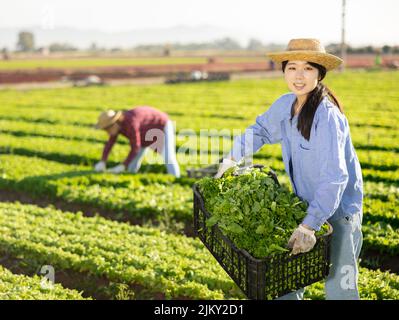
{"x":310,"y":50}
{"x":107,"y":119}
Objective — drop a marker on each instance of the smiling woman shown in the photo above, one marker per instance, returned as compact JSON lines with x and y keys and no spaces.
{"x":318,"y":156}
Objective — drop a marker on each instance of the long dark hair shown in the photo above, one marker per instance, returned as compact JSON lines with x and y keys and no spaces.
{"x":306,"y":115}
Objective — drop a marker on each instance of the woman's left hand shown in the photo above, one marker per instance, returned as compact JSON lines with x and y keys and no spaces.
{"x":302,"y":240}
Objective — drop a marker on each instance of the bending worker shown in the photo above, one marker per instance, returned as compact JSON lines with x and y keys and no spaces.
{"x":145,"y":127}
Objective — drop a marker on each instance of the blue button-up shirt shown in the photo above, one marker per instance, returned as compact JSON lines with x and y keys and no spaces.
{"x":325,"y":170}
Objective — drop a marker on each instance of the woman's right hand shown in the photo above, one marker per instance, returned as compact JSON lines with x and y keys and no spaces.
{"x":225,"y":165}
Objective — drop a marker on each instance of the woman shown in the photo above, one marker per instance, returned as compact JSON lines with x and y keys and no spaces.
{"x":319,"y":158}
{"x":144,"y":127}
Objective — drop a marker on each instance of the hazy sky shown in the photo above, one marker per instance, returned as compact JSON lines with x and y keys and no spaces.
{"x":368,"y":21}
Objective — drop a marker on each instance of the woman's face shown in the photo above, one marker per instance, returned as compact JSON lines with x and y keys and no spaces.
{"x":301,"y":77}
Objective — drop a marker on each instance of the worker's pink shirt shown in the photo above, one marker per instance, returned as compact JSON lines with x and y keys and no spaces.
{"x":135,"y":126}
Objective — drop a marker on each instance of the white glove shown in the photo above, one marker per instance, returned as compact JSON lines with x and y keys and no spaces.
{"x":302,"y":240}
{"x":224,"y":166}
{"x":100,"y":166}
{"x":118,"y":169}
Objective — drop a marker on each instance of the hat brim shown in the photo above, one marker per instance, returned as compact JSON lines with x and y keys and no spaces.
{"x":114,"y":119}
{"x":327,"y":60}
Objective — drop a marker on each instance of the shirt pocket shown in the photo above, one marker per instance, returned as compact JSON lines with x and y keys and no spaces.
{"x":307,"y":161}
{"x":304,"y":146}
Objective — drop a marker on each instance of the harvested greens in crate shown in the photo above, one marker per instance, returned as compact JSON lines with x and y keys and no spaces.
{"x":245,"y":219}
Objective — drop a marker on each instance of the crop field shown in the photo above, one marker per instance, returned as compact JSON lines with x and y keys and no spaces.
{"x":130,"y":236}
{"x":70,"y":63}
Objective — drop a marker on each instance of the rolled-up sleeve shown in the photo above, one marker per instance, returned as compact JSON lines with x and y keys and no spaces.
{"x":331,"y":135}
{"x":266,"y":130}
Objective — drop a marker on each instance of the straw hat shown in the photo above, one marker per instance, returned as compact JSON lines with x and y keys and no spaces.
{"x":107,"y":119}
{"x":308,"y":50}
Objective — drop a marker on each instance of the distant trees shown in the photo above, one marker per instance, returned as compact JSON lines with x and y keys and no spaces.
{"x":390,"y":49}
{"x":219,"y":44}
{"x":334,"y":48}
{"x":61,"y":47}
{"x":255,"y":45}
{"x":223,"y":44}
{"x":26,"y":41}
{"x":374,"y":50}
{"x":227,"y":44}
{"x":93,"y":47}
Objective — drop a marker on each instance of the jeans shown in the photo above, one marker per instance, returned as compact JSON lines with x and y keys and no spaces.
{"x":346,"y":243}
{"x":168,"y":153}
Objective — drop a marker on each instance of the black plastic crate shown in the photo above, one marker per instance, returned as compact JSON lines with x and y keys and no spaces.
{"x":266,"y":278}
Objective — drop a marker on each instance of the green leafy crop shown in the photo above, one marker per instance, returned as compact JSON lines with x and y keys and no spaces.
{"x":257,"y":214}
